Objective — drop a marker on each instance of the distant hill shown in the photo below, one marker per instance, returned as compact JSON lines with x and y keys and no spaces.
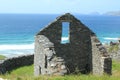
{"x":116,"y":13}
{"x":94,"y":13}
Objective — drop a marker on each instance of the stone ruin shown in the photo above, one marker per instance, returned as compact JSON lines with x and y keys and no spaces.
{"x":83,"y":53}
{"x":114,"y":50}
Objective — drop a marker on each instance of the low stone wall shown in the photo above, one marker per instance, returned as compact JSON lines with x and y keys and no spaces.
{"x":115,"y":56}
{"x":15,"y":62}
{"x":115,"y":51}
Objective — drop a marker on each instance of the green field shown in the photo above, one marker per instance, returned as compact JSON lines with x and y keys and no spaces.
{"x":26,"y":73}
{"x":2,"y":57}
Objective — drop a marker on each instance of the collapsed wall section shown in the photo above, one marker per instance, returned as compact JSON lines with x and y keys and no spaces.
{"x":101,"y":61}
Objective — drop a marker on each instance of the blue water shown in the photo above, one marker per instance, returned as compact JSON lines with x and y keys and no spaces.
{"x":17,"y":30}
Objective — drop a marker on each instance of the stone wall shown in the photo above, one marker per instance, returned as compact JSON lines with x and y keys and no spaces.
{"x":75,"y":56}
{"x":114,"y":50}
{"x":80,"y":55}
{"x":15,"y":62}
{"x":101,"y":61}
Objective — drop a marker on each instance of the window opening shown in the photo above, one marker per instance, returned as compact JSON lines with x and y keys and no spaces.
{"x":65,"y":33}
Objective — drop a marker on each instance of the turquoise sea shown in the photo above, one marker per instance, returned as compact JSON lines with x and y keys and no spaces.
{"x":17,"y":31}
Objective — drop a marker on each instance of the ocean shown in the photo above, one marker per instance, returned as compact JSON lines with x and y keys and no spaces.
{"x":17,"y":31}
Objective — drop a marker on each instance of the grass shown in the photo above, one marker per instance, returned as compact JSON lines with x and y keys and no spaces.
{"x":2,"y":57}
{"x":115,"y":65}
{"x":20,"y":73}
{"x":26,"y":73}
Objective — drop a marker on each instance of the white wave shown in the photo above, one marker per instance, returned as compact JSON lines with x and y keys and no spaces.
{"x":16,"y":47}
{"x":15,"y":54}
{"x":65,"y":38}
{"x":108,"y":38}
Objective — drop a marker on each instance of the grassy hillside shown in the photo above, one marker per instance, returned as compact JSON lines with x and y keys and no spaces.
{"x":26,"y":73}
{"x":2,"y":57}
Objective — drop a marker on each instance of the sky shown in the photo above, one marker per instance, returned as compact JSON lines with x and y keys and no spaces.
{"x":58,"y":6}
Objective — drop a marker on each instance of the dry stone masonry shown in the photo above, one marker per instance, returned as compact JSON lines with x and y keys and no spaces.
{"x":10,"y":64}
{"x":114,"y":50}
{"x":82,"y":54}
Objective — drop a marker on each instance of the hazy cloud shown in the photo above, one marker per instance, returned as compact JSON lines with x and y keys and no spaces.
{"x":58,"y":6}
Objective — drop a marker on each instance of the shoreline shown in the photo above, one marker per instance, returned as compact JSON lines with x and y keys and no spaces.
{"x":20,"y":49}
